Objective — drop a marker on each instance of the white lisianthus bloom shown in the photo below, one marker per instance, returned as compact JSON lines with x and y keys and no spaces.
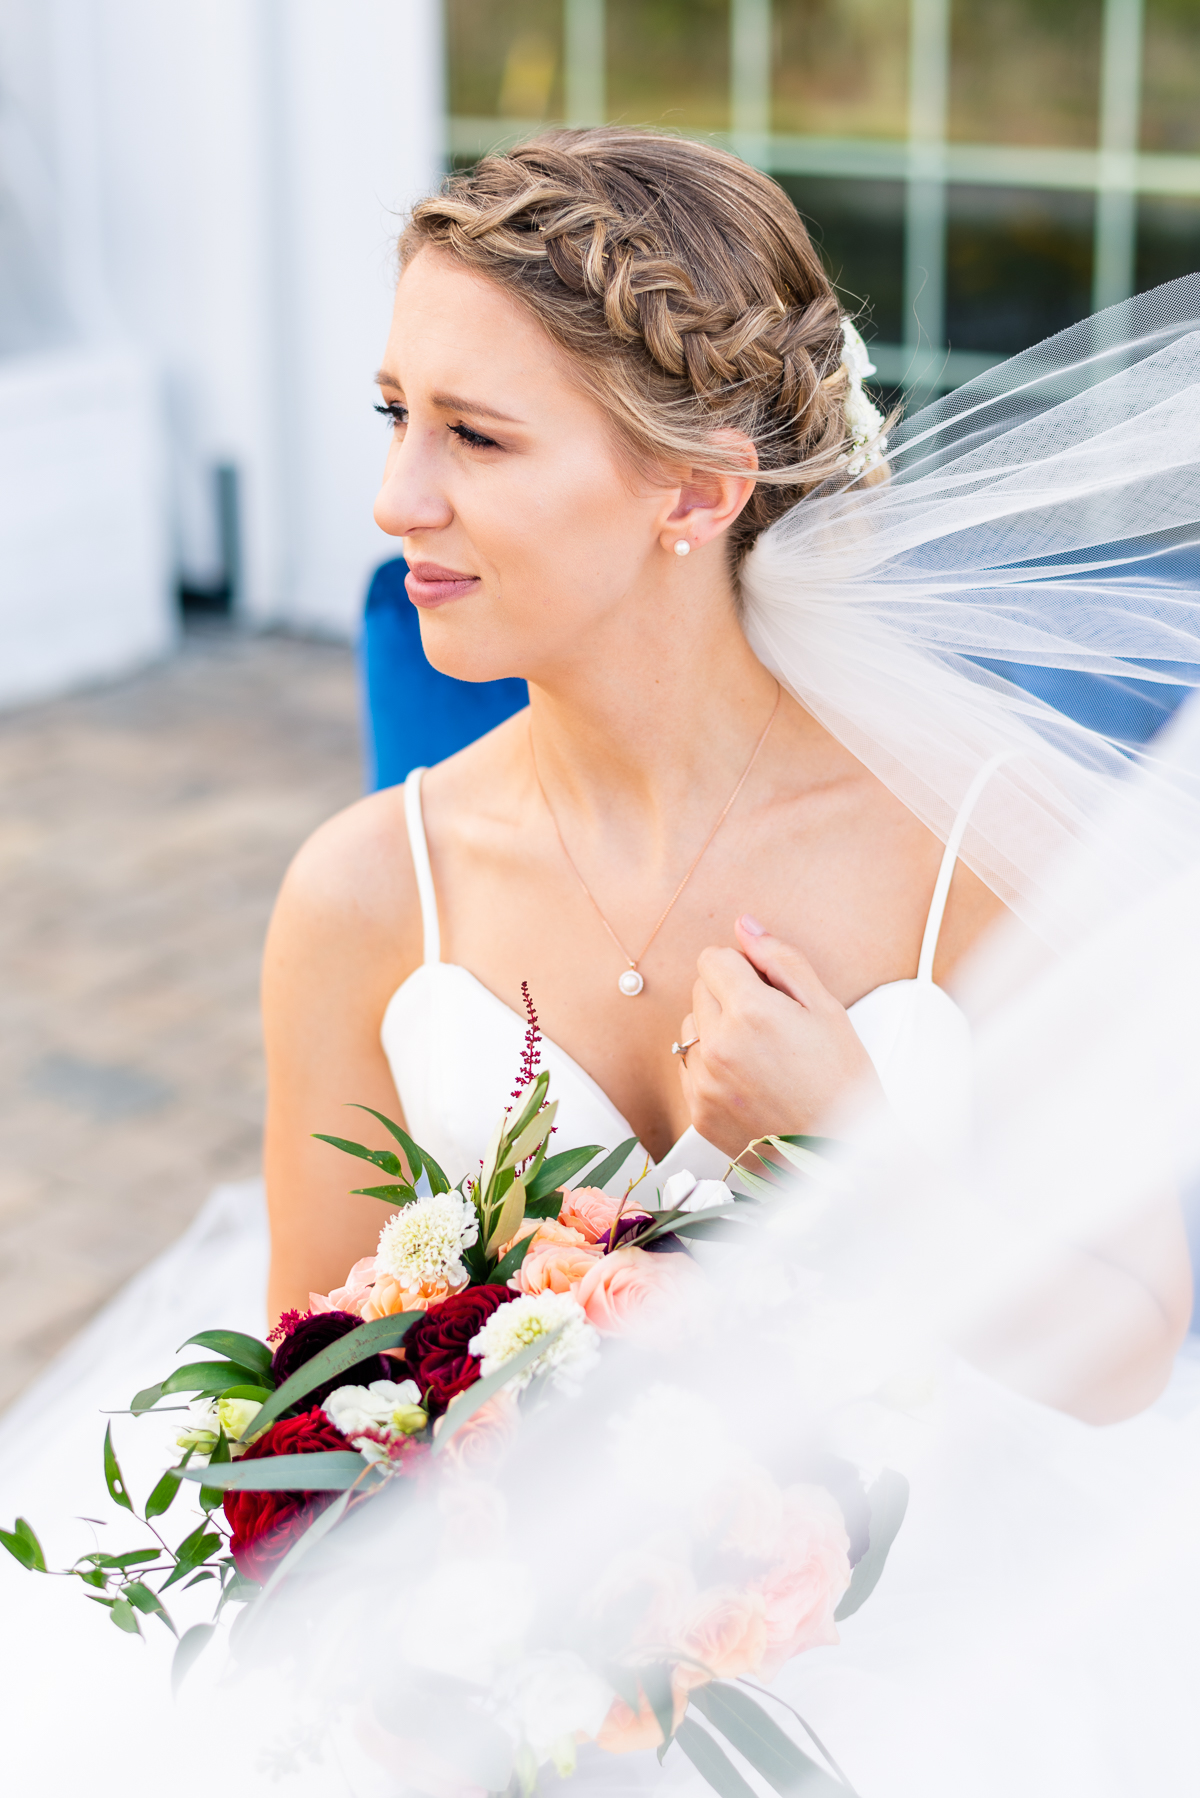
{"x":547,"y":1700}
{"x":514,"y":1326}
{"x":683,"y":1192}
{"x":235,"y":1413}
{"x":385,"y":1408}
{"x":422,"y":1245}
{"x":202,"y":1430}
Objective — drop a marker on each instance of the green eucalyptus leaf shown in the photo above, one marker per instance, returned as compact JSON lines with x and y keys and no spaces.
{"x":208,"y":1378}
{"x":146,"y":1399}
{"x":211,"y":1496}
{"x":192,"y":1553}
{"x":163,"y":1495}
{"x":556,"y":1170}
{"x":418,"y":1158}
{"x":711,"y":1762}
{"x":612,"y":1163}
{"x":191,"y":1644}
{"x":148,"y":1602}
{"x":770,"y":1750}
{"x":24,"y":1546}
{"x":887,"y":1502}
{"x":124,"y":1616}
{"x":396,"y":1194}
{"x":656,"y":1684}
{"x":93,"y":1576}
{"x":114,"y":1479}
{"x":247,"y":1351}
{"x":133,"y":1557}
{"x":284,"y":1473}
{"x":504,"y":1270}
{"x":339,"y":1357}
{"x":380,"y":1158}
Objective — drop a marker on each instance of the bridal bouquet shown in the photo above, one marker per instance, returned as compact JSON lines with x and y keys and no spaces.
{"x":483,"y":1302}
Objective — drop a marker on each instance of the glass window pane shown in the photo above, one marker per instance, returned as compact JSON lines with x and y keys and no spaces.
{"x":858,"y":226}
{"x":1025,"y":71}
{"x":505,"y":60}
{"x":1018,"y":265}
{"x":1171,"y":76}
{"x":841,"y":68}
{"x":1168,"y":241}
{"x":668,"y":63}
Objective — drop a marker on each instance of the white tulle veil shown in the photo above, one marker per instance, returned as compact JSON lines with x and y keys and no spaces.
{"x":1034,"y":516}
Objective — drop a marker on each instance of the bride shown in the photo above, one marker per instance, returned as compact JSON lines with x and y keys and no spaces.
{"x":615,"y":361}
{"x":774,"y":821}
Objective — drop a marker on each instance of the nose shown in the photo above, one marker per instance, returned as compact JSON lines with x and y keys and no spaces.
{"x":410,"y":498}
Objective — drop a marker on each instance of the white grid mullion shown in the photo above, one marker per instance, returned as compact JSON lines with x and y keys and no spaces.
{"x":1115,"y":256}
{"x":925,"y":197}
{"x":750,"y":79}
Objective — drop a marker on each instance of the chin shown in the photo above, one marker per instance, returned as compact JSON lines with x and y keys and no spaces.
{"x":453,"y":648}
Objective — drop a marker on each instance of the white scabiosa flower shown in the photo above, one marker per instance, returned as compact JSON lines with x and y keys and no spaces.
{"x":421,"y":1247}
{"x":514,"y":1326}
{"x":864,"y":420}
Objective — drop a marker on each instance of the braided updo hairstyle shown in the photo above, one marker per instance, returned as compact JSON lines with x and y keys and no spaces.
{"x":684,"y":288}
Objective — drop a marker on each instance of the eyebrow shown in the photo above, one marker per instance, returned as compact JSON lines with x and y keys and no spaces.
{"x":453,"y":402}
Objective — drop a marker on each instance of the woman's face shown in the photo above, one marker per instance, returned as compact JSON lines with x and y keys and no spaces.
{"x":530,"y":544}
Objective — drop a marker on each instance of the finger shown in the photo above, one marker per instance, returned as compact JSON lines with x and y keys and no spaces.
{"x":727,"y":975}
{"x":781,"y":964}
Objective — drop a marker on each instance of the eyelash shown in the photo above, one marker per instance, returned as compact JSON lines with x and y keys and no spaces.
{"x":473,"y":439}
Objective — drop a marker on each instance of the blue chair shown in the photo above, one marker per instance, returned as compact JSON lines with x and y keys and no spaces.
{"x":412,"y":716}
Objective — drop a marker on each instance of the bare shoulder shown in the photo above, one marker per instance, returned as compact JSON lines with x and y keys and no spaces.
{"x":349,"y":899}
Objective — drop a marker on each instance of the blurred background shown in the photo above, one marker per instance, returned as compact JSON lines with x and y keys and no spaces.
{"x":197,"y":208}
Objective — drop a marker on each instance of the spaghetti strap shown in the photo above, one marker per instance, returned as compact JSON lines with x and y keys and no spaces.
{"x":420,"y":859}
{"x":958,"y":830}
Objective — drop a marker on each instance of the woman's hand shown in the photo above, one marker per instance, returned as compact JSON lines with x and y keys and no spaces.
{"x":776,"y":1053}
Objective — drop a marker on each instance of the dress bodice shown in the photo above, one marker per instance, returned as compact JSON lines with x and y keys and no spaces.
{"x":454,"y":1047}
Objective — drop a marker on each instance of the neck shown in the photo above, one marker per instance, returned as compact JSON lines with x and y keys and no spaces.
{"x":655,"y":717}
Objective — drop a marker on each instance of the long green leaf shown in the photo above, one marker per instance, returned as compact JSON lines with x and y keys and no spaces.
{"x":247,"y":1351}
{"x":149,"y":1603}
{"x":146,"y":1399}
{"x":656,"y":1684}
{"x":532,"y":1137}
{"x":193,"y":1552}
{"x":510,"y":1219}
{"x":339,"y":1357}
{"x":417,"y":1157}
{"x":163,"y":1495}
{"x":209,"y":1377}
{"x":396,"y":1194}
{"x":711,"y":1762}
{"x":612,"y":1163}
{"x":887,"y":1502}
{"x":331,"y":1472}
{"x":211,"y":1496}
{"x":528,"y":1102}
{"x":556,"y":1170}
{"x":381,"y":1158}
{"x":504,"y":1270}
{"x":770,"y":1750}
{"x":133,"y":1557}
{"x":467,"y":1403}
{"x":24,"y":1546}
{"x":114,"y":1479}
{"x":191,"y":1644}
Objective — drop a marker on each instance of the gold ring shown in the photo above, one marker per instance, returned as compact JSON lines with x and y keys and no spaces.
{"x":682,"y":1048}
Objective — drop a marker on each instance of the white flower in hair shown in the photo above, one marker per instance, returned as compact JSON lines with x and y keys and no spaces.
{"x":514,"y":1326}
{"x":864,"y":420}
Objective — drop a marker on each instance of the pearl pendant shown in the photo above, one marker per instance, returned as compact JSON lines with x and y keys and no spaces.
{"x":631,"y":983}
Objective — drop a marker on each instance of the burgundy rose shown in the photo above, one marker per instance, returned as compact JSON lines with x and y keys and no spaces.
{"x":308,"y":1337}
{"x":436,"y":1345}
{"x":265,"y":1524}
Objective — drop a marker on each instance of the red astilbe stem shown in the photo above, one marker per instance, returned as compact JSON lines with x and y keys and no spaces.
{"x":531,"y":1054}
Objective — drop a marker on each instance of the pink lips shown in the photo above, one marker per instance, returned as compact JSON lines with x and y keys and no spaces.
{"x":429,"y":584}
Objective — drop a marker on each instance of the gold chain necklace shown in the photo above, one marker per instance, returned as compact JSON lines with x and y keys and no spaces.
{"x":631,"y":981}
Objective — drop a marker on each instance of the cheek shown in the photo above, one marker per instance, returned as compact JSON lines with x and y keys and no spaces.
{"x":575,"y":521}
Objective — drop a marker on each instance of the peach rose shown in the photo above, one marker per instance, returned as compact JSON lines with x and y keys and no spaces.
{"x":593,"y":1212}
{"x":803,"y":1588}
{"x":477,"y":1444}
{"x":554,"y":1267}
{"x":353,"y":1295}
{"x":633,"y":1289}
{"x":724,"y":1638}
{"x":624,"y":1732}
{"x":388,"y":1298}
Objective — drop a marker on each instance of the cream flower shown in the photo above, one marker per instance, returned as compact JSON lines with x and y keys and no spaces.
{"x":384,"y":1409}
{"x":514,"y":1326}
{"x":421,"y":1247}
{"x":864,"y":420}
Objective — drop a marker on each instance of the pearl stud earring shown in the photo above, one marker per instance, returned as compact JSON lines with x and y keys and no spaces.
{"x":683,"y":547}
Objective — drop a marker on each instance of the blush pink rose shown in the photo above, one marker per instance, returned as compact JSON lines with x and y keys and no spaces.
{"x":625,"y":1731}
{"x":631,"y":1289}
{"x":480,"y":1442}
{"x":593,"y":1212}
{"x":353,"y":1295}
{"x":804,"y":1586}
{"x":725,"y":1636}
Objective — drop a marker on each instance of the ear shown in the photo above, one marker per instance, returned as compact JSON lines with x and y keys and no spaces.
{"x":706,"y":503}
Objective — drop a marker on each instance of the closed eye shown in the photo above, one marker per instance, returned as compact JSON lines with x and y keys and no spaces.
{"x":475,"y":439}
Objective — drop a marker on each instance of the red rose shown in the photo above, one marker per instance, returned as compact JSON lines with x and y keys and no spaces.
{"x":436,"y":1345}
{"x":265,"y":1524}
